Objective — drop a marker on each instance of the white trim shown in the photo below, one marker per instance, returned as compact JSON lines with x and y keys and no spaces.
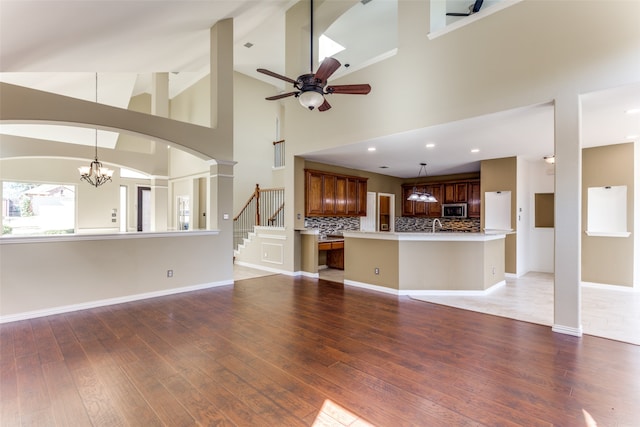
{"x":608,"y":233}
{"x":110,"y":301}
{"x":576,"y":332}
{"x":106,"y":236}
{"x":265,"y":268}
{"x":458,"y":293}
{"x":466,"y":20}
{"x":423,"y":236}
{"x":371,"y":287}
{"x":272,"y":236}
{"x":311,"y":275}
{"x":606,"y":287}
{"x":222,"y":162}
{"x":417,"y":293}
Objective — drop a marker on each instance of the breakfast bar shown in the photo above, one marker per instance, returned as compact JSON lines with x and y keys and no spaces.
{"x":424,"y":263}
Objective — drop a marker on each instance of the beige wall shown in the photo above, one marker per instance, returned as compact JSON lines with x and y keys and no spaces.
{"x":461,"y":266}
{"x":501,"y":175}
{"x":44,"y":277}
{"x":608,"y":260}
{"x":362,"y":256}
{"x":425,"y":265}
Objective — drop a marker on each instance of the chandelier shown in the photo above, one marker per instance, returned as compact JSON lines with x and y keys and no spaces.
{"x":421,"y":196}
{"x":95,"y":174}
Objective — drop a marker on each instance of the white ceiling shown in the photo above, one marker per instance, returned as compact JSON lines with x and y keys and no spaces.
{"x":58,"y":45}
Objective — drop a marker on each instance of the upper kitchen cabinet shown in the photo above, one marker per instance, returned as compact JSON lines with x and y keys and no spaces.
{"x":329,"y":194}
{"x":463,"y":191}
{"x":455,"y":192}
{"x":417,"y":208}
{"x":473,"y":199}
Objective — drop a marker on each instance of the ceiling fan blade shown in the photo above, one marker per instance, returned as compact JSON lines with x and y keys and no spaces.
{"x":328,"y":67}
{"x":350,"y":89}
{"x":282,"y":95}
{"x":325,"y":106}
{"x":276,"y":75}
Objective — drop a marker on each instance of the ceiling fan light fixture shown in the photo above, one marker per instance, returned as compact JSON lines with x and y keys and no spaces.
{"x":311,"y":99}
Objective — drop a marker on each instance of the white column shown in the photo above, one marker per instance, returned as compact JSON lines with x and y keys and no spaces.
{"x":159,"y":204}
{"x":568,"y":208}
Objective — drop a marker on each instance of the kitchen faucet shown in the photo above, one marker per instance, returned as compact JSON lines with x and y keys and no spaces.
{"x":433,"y":225}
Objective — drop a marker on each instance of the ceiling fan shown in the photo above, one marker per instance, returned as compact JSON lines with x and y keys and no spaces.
{"x":474,"y":8}
{"x":310,"y":89}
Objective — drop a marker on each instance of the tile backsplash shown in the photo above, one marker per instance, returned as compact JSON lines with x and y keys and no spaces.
{"x":408,"y":224}
{"x":336,"y":225}
{"x":332,"y":225}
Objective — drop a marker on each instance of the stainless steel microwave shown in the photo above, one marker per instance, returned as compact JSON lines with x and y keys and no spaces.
{"x":454,"y":210}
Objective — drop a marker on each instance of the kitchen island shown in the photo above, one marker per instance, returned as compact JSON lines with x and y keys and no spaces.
{"x":424,"y":263}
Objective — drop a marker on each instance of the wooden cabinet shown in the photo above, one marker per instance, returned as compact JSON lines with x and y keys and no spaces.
{"x":428,"y":209}
{"x":329,"y":194}
{"x":434,"y":209}
{"x":314,"y":185}
{"x":473,"y":199}
{"x":467,"y":191}
{"x":455,"y":192}
{"x":335,"y":253}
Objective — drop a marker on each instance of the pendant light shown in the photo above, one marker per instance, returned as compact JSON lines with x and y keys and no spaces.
{"x":95,"y":174}
{"x":417,"y":196}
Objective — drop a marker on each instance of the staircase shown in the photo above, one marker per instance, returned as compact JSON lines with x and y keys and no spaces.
{"x":265,"y":207}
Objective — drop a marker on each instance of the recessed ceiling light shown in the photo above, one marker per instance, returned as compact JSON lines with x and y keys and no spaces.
{"x":430,"y":145}
{"x":371,"y":148}
{"x":632,"y":136}
{"x":633,"y":111}
{"x":475,"y":150}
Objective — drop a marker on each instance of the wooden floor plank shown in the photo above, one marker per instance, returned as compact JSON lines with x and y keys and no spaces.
{"x":280,"y":350}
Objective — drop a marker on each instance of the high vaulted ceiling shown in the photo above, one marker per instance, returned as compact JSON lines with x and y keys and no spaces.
{"x":59,"y":45}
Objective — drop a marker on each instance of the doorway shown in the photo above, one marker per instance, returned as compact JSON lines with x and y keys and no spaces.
{"x":386,"y":212}
{"x":144,"y":208}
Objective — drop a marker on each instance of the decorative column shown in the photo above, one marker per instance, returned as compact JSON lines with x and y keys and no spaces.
{"x":568,"y":205}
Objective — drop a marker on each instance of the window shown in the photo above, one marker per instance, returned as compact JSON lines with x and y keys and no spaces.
{"x":278,"y":154}
{"x":33,"y":209}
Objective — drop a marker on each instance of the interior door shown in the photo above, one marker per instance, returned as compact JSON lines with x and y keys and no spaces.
{"x":144,"y":209}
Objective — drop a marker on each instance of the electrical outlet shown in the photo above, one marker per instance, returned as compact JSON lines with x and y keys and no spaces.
{"x":376,"y":270}
{"x":169,"y":273}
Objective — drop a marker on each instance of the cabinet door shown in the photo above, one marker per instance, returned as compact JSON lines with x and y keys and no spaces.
{"x":314,"y":194}
{"x":461,"y":192}
{"x":352,"y":196}
{"x":422,"y":208}
{"x":435,"y":208}
{"x":473,"y":199}
{"x":455,"y":192}
{"x":449,"y":193}
{"x":362,"y":197}
{"x":408,"y":206}
{"x":341,"y":203}
{"x":329,"y":195}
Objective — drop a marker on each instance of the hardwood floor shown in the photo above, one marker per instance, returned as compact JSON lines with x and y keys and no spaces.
{"x":280,"y":351}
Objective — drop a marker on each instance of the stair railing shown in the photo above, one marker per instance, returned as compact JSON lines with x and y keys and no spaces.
{"x":263,"y":203}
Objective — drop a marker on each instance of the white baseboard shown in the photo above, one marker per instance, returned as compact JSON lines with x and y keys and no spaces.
{"x":605,"y":287}
{"x":567,"y":330}
{"x":422,"y":292}
{"x":269,"y":269}
{"x":457,"y":293}
{"x":308,"y":274}
{"x":110,"y":301}
{"x":371,"y":287}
